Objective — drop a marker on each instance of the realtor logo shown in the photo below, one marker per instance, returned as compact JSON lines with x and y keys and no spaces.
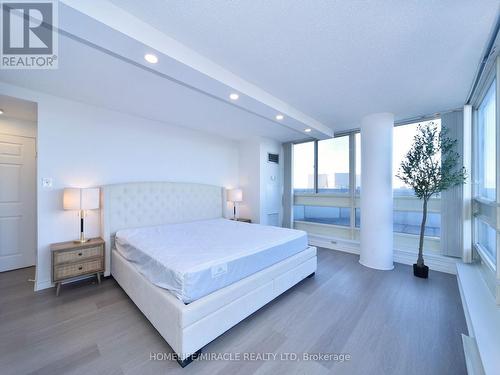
{"x":29,"y":35}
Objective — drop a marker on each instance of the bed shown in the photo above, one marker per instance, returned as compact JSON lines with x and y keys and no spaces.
{"x":193,"y":273}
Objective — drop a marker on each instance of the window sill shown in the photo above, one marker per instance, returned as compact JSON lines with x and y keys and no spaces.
{"x":324,"y":224}
{"x":485,"y":257}
{"x":326,"y":195}
{"x":408,"y":235}
{"x":357,"y":196}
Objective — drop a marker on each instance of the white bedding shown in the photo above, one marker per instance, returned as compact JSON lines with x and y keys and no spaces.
{"x":196,"y":258}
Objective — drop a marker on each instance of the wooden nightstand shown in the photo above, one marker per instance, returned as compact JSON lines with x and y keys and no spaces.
{"x":71,"y":259}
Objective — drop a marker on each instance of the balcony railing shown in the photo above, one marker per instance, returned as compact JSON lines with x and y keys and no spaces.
{"x":338,"y":216}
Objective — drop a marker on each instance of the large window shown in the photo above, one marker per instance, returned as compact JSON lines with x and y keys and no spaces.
{"x":403,"y":139}
{"x":357,"y":153}
{"x":333,"y":165}
{"x":486,"y":239}
{"x":328,"y":199}
{"x":485,"y":176}
{"x":322,"y":192}
{"x":323,"y":215}
{"x":486,"y":139}
{"x":303,"y":167}
{"x":409,"y":222}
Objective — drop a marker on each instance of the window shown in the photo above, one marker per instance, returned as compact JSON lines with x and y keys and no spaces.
{"x":486,"y":137}
{"x":333,"y":165}
{"x":485,"y":175}
{"x":323,"y":215}
{"x":486,"y":239}
{"x":357,"y":147}
{"x":303,"y":167}
{"x":330,"y":179}
{"x":337,"y":167}
{"x":409,"y":222}
{"x":402,"y":140}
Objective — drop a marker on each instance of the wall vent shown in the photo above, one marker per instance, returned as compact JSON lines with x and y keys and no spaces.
{"x":273,"y":158}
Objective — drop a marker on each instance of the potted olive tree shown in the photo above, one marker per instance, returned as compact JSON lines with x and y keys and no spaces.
{"x":430,"y":166}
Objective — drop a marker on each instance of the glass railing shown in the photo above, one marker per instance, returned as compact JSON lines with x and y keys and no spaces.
{"x":337,"y":215}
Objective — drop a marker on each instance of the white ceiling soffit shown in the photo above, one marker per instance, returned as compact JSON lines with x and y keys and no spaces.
{"x":177,"y":63}
{"x":88,"y":75}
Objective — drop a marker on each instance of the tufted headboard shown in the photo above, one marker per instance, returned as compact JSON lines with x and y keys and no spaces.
{"x":141,"y":204}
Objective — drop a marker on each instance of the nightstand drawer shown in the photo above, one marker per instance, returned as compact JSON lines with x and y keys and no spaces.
{"x":77,"y":269}
{"x":72,"y":256}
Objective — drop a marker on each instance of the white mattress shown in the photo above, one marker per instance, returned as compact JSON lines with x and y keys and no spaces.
{"x":197,"y":258}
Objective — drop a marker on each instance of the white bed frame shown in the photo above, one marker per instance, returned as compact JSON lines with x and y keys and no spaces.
{"x":187,"y":328}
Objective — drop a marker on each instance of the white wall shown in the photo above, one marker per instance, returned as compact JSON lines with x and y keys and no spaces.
{"x":249,"y":178}
{"x":255,"y":175}
{"x":14,"y":126}
{"x":82,"y":145}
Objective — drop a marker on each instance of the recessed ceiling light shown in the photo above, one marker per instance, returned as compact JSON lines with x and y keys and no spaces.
{"x":150,"y":58}
{"x":1,"y":111}
{"x":234,"y":96}
{"x":307,"y":130}
{"x":280,"y":117}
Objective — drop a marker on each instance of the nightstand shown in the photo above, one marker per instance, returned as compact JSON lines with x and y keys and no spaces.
{"x":244,"y":220}
{"x":72,"y":259}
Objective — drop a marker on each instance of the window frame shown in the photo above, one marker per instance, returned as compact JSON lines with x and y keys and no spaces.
{"x":484,"y":209}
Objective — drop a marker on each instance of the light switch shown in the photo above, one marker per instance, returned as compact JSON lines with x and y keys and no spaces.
{"x":46,"y":182}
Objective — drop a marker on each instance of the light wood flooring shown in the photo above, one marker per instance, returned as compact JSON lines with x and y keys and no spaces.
{"x":389,"y":322}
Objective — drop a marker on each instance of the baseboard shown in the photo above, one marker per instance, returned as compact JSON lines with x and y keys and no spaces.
{"x":346,"y":246}
{"x":435,"y":262}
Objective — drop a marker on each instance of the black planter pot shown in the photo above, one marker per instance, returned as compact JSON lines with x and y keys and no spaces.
{"x":422,"y":272}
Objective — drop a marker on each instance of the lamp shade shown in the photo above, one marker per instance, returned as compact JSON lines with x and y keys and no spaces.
{"x":90,"y":199}
{"x":81,"y":199}
{"x":235,"y":195}
{"x":71,"y":199}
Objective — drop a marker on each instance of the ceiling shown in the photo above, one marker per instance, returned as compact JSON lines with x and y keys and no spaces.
{"x":338,"y":60}
{"x":324,"y":64}
{"x":17,"y":108}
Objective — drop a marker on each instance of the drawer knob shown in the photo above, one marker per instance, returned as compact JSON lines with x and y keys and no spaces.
{"x":79,"y":254}
{"x":80,"y":268}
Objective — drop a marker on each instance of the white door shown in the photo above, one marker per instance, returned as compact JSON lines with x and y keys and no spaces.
{"x":17,"y":202}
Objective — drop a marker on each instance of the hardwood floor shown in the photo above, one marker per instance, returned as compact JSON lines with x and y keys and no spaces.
{"x":389,"y":322}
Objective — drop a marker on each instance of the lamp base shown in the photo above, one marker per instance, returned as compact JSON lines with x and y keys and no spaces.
{"x":82,"y":232}
{"x":85,"y":240}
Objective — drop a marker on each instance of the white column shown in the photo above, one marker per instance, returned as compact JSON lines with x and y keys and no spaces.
{"x":377,"y":249}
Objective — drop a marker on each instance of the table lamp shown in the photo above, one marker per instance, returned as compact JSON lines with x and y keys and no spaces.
{"x":82,"y":200}
{"x":234,"y":195}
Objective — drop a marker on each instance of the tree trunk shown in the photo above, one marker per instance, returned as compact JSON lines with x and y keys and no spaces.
{"x":420,"y":260}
